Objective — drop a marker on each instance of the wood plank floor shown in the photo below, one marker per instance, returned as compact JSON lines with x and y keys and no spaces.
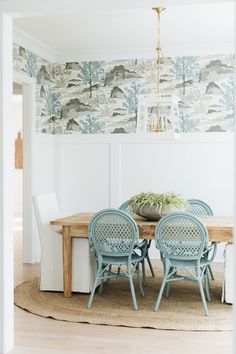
{"x":37,"y":335}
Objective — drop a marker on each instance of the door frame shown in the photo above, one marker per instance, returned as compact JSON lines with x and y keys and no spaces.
{"x":28,"y":123}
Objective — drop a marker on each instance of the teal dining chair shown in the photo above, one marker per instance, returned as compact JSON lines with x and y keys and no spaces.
{"x":183,"y":240}
{"x":198,"y":207}
{"x":143,"y":246}
{"x":114,"y":234}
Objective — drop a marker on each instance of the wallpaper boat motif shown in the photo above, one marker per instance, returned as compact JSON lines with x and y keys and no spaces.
{"x":99,"y":97}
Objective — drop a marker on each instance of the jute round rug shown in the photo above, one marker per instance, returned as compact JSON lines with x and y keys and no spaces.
{"x":182,"y":311}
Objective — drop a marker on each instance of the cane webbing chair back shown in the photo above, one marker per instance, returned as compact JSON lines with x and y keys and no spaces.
{"x":113,"y":233}
{"x":198,"y":208}
{"x":144,"y":245}
{"x":181,"y":236}
{"x":127,"y":208}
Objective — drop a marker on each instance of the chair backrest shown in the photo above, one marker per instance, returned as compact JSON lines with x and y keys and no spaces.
{"x":198,"y":208}
{"x":181,"y":236}
{"x":46,"y":208}
{"x":112,"y":232}
{"x":127,"y":208}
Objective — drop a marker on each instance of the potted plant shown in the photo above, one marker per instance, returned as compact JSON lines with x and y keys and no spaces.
{"x":153,"y":206}
{"x":147,"y":205}
{"x":173,"y":202}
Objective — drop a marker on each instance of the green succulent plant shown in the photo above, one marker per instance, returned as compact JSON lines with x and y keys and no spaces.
{"x":152,"y":199}
{"x":175,"y":199}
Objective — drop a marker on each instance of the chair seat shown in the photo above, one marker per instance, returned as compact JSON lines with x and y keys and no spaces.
{"x":180,"y":263}
{"x":121,"y":259}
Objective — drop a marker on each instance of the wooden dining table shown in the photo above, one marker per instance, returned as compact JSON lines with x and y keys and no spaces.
{"x":220,"y":229}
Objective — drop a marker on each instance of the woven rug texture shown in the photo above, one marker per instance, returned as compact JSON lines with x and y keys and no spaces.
{"x":182,"y":311}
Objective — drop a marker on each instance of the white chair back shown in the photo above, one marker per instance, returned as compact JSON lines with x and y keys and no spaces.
{"x":46,"y":208}
{"x":51,"y":270}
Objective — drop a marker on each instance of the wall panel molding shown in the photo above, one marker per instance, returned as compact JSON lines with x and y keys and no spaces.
{"x":115,"y":175}
{"x":109,"y":169}
{"x":155,"y":138}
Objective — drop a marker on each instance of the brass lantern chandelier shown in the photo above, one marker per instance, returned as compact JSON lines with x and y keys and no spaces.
{"x":166,"y":118}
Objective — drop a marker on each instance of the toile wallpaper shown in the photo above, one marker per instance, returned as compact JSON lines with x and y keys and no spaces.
{"x":98,"y":97}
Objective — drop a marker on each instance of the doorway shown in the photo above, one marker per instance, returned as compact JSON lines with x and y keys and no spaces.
{"x":24,"y":163}
{"x":17,"y":102}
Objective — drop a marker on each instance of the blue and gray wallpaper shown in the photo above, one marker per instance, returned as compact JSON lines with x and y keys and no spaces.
{"x":101,"y":97}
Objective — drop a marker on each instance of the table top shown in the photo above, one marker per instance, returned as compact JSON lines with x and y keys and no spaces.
{"x":220,"y":228}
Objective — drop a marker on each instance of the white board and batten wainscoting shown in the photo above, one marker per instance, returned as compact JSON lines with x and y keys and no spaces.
{"x":91,"y":172}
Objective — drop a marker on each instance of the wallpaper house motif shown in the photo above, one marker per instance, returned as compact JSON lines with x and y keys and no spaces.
{"x":98,"y":97}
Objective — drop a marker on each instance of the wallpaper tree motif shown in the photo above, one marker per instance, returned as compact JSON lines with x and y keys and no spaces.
{"x":98,"y":97}
{"x":185,"y":68}
{"x":91,"y":73}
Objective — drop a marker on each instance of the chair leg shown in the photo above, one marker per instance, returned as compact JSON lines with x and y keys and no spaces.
{"x":150,"y":266}
{"x":135,"y":306}
{"x":167,"y":286}
{"x":94,"y":287}
{"x":160,"y":294}
{"x":140,"y":280}
{"x":109,"y":271}
{"x":143,"y":273}
{"x":207,"y":286}
{"x":167,"y":290}
{"x":102,"y":282}
{"x":101,"y":287}
{"x":201,"y":291}
{"x":211,"y":272}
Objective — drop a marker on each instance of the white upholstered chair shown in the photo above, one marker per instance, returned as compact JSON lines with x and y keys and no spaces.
{"x":51,"y":268}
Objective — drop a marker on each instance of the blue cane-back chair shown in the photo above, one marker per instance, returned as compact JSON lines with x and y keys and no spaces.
{"x":114,"y":235}
{"x":143,"y":246}
{"x":182,"y":240}
{"x":199,"y":208}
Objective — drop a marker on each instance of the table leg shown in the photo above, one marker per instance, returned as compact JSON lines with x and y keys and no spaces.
{"x":67,"y":260}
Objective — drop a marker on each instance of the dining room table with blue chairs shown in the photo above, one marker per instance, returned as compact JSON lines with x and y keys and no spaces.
{"x":219,"y":229}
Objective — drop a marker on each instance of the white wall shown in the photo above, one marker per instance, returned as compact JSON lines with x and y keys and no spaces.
{"x":94,"y":172}
{"x":18,"y":174}
{"x":84,"y":177}
{"x":43,"y":163}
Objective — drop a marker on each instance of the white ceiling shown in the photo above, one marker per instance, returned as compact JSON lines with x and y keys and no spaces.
{"x":128,"y":32}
